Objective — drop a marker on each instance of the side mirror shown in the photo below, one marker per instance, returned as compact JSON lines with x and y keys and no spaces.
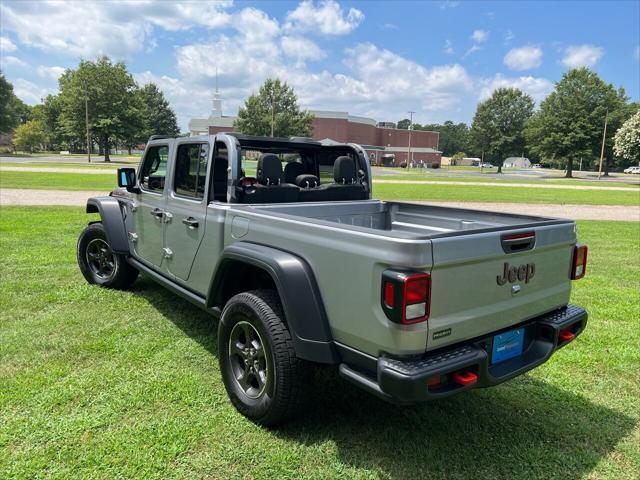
{"x":127,"y":179}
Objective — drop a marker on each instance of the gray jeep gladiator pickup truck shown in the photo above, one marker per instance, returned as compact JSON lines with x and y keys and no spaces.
{"x":280,"y":239}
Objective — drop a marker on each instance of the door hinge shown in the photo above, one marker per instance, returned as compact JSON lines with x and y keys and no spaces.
{"x":167,"y":253}
{"x":133,"y":237}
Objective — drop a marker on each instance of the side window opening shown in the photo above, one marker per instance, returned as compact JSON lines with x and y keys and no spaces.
{"x":220,"y":172}
{"x":191,"y":170}
{"x":154,"y":168}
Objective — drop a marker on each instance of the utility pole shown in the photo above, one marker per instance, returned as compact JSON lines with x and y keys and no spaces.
{"x":273,"y":112}
{"x":410,"y":128}
{"x":86,"y":121}
{"x":604,"y":137}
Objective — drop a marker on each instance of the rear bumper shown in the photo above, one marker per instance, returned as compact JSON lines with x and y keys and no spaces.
{"x":413,"y":380}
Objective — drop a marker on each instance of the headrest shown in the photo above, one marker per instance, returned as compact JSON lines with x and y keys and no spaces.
{"x":307,"y":181}
{"x":292,"y":170}
{"x":344,"y":170}
{"x":269,"y":170}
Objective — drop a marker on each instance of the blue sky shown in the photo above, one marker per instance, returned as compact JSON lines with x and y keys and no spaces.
{"x":378,"y":59}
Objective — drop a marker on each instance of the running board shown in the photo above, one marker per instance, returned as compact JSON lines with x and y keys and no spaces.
{"x":188,"y":295}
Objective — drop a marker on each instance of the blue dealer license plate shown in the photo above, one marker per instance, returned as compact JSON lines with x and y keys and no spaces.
{"x":507,"y":345}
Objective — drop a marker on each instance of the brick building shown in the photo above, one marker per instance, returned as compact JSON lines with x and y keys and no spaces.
{"x":384,"y":144}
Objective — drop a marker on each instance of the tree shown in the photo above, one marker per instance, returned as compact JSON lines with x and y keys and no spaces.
{"x":13,"y":111}
{"x":457,"y":157}
{"x":403,"y":124}
{"x":274,"y":112}
{"x":570,"y":121}
{"x":498,"y":124}
{"x":627,"y":140}
{"x":159,"y":117}
{"x":48,"y":113}
{"x":29,"y":135}
{"x":452,"y":137}
{"x":115,"y":110}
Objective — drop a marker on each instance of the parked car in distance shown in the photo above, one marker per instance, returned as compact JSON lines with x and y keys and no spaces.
{"x":632,"y":170}
{"x":282,"y":242}
{"x":536,"y":165}
{"x":486,"y":165}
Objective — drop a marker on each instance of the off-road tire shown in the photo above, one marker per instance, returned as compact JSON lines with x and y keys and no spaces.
{"x":289,"y":377}
{"x":94,"y":239}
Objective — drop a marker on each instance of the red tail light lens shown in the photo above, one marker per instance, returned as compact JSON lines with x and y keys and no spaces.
{"x":416,"y":298}
{"x":406,"y":296}
{"x":579,"y":264}
{"x":389,"y":294}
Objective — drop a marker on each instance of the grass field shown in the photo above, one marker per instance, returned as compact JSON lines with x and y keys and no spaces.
{"x":437,"y":191}
{"x":106,"y":384}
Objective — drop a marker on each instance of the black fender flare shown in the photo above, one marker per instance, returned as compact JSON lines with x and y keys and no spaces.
{"x":111,"y":215}
{"x":301,"y":301}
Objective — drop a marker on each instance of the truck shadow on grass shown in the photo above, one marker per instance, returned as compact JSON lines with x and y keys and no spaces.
{"x":524,"y":428}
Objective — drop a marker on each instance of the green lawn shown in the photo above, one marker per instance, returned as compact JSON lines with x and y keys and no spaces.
{"x":489,"y":179}
{"x":58,"y":181}
{"x":475,"y":193}
{"x":106,"y":384}
{"x":435,"y":192}
{"x":62,"y":165}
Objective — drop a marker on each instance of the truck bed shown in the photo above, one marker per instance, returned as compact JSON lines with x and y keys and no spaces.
{"x":407,"y":220}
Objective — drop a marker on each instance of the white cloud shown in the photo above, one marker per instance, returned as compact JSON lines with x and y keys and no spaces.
{"x":11,"y":61}
{"x":472,"y":49}
{"x":6,"y":45}
{"x":448,"y":4}
{"x":448,"y":47}
{"x":508,"y":36}
{"x":480,"y":36}
{"x":91,"y":28}
{"x":577,"y":56}
{"x":50,"y":72}
{"x":326,"y":17}
{"x":301,"y":48}
{"x":523,"y":58}
{"x":29,"y":92}
{"x":538,"y":87}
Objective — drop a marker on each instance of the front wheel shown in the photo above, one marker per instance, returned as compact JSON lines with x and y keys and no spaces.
{"x":264,"y":379}
{"x":99,"y":264}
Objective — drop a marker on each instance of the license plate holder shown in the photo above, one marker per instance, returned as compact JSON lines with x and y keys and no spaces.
{"x":507,"y":345}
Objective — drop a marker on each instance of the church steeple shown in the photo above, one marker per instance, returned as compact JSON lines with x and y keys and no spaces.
{"x":217,"y":101}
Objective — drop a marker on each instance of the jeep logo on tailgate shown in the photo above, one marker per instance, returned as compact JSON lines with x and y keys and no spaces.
{"x":512,"y":273}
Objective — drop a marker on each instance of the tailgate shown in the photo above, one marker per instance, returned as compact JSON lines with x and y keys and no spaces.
{"x":470,"y":294}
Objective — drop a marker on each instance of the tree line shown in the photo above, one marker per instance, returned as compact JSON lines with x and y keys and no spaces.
{"x":100,"y":94}
{"x":566,"y":129}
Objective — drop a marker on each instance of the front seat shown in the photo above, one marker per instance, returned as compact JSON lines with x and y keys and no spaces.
{"x":270,"y":187}
{"x":346,"y":185}
{"x":293,"y":170}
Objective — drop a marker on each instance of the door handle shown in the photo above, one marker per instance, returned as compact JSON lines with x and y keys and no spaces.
{"x":157,"y":212}
{"x":190,"y":222}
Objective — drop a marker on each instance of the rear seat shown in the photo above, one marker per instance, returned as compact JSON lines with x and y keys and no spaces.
{"x":270,"y":187}
{"x":345,"y":186}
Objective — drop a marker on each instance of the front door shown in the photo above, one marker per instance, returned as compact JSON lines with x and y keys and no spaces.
{"x":146,"y":239}
{"x":186,"y":208}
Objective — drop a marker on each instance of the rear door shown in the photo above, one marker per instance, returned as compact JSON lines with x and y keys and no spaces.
{"x":485,"y":282}
{"x":146,"y":237}
{"x":186,"y":207}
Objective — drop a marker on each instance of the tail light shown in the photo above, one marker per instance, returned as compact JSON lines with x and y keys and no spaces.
{"x":579,"y":264}
{"x":406,"y":296}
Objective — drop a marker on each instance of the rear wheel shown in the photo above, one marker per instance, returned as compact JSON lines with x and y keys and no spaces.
{"x":264,"y":379}
{"x":99,"y":264}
